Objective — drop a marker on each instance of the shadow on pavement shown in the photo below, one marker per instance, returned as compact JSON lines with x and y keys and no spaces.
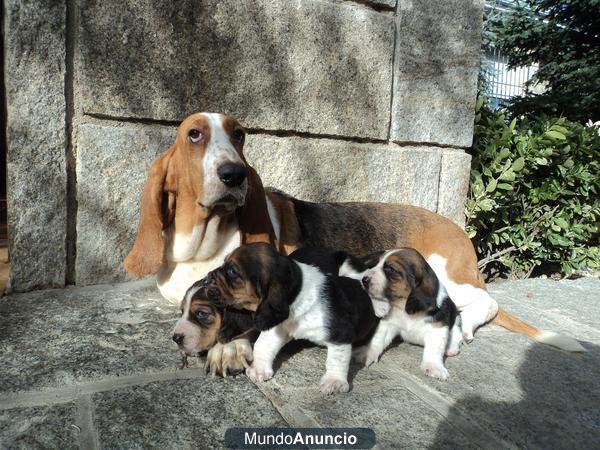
{"x":559,"y":406}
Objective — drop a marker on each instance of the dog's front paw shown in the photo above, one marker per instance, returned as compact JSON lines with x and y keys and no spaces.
{"x":331,"y":385}
{"x":435,"y":369}
{"x":365,"y":355}
{"x":232,"y":358}
{"x":258,"y":372}
{"x":452,"y":351}
{"x":381,"y":308}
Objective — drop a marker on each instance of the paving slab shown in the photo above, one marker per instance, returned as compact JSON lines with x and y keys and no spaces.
{"x":39,"y":427}
{"x":193,"y":413}
{"x":55,"y":338}
{"x":94,"y":368}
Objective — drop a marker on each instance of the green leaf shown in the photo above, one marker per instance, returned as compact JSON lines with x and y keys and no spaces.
{"x":555,"y":135}
{"x":509,"y":175}
{"x":505,"y":186}
{"x":491,"y":187}
{"x":518,"y":164}
{"x":561,"y":223}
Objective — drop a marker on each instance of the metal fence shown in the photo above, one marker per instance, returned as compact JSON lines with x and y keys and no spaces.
{"x":506,"y":83}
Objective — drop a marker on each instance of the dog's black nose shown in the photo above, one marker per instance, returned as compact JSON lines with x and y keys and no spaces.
{"x":231,"y":174}
{"x":366,"y":281}
{"x":178,"y":338}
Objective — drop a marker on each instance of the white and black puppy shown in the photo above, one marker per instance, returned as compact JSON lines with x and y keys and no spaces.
{"x":298,"y":297}
{"x":411,"y":303}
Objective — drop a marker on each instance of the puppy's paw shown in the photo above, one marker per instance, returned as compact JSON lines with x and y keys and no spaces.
{"x":468,"y":335}
{"x":331,"y":385}
{"x":259,"y":373}
{"x":452,"y":351}
{"x":236,"y":357}
{"x":214,"y":359}
{"x":467,"y":330}
{"x":381,"y":308}
{"x":232,"y":358}
{"x":435,"y":369}
{"x":363,"y":355}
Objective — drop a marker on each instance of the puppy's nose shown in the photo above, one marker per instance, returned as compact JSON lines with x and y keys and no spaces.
{"x":231,"y":174}
{"x":366,"y":281}
{"x":178,"y":338}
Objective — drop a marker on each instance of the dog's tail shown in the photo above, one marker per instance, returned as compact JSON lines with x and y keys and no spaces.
{"x":515,"y":325}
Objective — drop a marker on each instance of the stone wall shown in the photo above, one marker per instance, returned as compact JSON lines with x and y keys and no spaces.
{"x":343,"y":100}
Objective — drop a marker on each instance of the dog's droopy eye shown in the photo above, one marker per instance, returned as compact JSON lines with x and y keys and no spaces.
{"x":195,"y":135}
{"x":231,"y":273}
{"x":201,"y":315}
{"x":238,"y":136}
{"x":390,"y":271}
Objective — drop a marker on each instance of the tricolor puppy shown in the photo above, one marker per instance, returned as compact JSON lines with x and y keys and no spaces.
{"x":298,"y":297}
{"x":205,"y":325}
{"x":413,"y":304}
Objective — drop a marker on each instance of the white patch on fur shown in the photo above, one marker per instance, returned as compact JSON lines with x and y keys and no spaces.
{"x":266,"y":348}
{"x":556,"y":340}
{"x":346,"y":270}
{"x":435,"y":341}
{"x":476,"y":306}
{"x":219,"y":151}
{"x":184,"y":246}
{"x":378,"y":280}
{"x":174,"y":278}
{"x":456,"y":339}
{"x":273,"y":218}
{"x":335,"y":379}
{"x":415,"y":329}
{"x":189,"y":330}
{"x":381,"y":307}
{"x":441,"y":294}
{"x":384,"y":335}
{"x":307,"y":319}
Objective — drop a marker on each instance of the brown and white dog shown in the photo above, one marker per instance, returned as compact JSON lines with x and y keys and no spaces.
{"x":202,"y":200}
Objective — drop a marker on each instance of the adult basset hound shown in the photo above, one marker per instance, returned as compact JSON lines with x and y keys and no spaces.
{"x":202,"y":200}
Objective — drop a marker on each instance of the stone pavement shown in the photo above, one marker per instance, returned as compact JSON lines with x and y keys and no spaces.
{"x":95,"y":368}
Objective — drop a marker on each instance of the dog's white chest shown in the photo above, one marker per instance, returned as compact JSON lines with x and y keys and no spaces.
{"x":175,"y":278}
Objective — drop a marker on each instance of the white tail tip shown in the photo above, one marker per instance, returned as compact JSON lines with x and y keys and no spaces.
{"x":558,"y":340}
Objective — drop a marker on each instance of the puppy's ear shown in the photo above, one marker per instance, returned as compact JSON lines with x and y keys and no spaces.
{"x":278,"y":287}
{"x":234,"y":323}
{"x":426,"y":285}
{"x":273,"y":309}
{"x":157,"y":211}
{"x":253,"y":217}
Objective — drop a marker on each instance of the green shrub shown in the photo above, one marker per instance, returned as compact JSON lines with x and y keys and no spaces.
{"x":533,"y":195}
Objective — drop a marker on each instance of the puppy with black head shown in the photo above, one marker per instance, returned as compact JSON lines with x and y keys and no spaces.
{"x":297,"y":297}
{"x":413,"y":304}
{"x":205,"y":325}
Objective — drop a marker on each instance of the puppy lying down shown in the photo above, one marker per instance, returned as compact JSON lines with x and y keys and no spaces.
{"x":205,"y":325}
{"x":298,"y":297}
{"x":411,"y":303}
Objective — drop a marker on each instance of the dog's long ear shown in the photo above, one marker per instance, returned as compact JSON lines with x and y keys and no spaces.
{"x":157,"y":211}
{"x":277,"y":289}
{"x":253,"y":218}
{"x":426,"y":285}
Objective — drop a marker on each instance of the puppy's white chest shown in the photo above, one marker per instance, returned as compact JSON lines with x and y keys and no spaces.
{"x":412,"y":327}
